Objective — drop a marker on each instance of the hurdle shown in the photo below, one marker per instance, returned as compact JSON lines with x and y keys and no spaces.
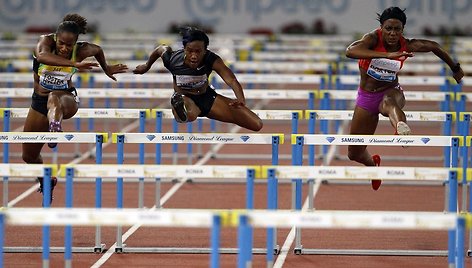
{"x":113,"y":217}
{"x":243,"y":220}
{"x":443,"y":97}
{"x":46,"y":137}
{"x":412,"y":116}
{"x":156,"y":173}
{"x":343,"y":82}
{"x":159,"y":114}
{"x":89,"y":113}
{"x":18,"y":170}
{"x":385,"y":140}
{"x":461,"y":99}
{"x":326,"y":219}
{"x":463,"y":130}
{"x":467,"y":183}
{"x":298,"y":79}
{"x":171,"y":138}
{"x":339,"y":96}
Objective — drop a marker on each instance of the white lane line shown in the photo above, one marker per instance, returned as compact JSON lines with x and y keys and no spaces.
{"x":291,"y":236}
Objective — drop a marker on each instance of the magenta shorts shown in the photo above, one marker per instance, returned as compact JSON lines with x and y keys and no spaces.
{"x":370,"y":101}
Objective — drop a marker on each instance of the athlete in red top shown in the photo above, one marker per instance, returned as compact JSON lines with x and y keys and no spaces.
{"x":381,"y":54}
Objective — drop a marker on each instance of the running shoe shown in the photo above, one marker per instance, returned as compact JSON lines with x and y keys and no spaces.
{"x":53,"y":184}
{"x":376,"y":183}
{"x":177,"y":102}
{"x":402,"y":129}
{"x":54,"y":126}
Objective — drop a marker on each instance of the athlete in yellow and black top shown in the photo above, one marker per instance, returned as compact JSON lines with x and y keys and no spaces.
{"x":57,"y":57}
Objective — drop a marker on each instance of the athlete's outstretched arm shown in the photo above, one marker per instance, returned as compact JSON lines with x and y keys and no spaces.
{"x":230,"y":79}
{"x":363,"y":49}
{"x":423,"y":45}
{"x":156,"y":54}
{"x":43,"y":52}
{"x":97,"y":52}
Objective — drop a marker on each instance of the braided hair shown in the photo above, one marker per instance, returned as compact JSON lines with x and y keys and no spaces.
{"x":73,"y":23}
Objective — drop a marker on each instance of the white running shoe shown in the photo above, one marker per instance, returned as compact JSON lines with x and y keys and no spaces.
{"x":403,"y":128}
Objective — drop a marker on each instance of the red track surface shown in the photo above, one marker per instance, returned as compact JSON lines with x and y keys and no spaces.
{"x":231,"y":195}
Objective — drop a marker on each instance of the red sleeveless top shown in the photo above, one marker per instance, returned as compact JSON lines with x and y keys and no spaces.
{"x":383,"y":69}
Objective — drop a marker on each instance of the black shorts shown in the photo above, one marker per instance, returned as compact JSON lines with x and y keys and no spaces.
{"x":39,"y":103}
{"x":204,"y":101}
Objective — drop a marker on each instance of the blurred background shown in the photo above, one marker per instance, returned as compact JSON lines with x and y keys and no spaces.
{"x":427,"y":17}
{"x":240,"y":29}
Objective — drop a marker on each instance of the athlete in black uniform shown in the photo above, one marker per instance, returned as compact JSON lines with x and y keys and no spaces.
{"x":194,"y":96}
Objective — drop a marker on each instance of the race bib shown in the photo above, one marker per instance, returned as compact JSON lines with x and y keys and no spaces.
{"x":384,"y":69}
{"x":191,"y":81}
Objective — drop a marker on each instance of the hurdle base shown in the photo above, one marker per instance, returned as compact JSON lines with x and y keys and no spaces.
{"x":99,"y":249}
{"x":374,"y":252}
{"x":277,"y":250}
{"x":298,"y":251}
{"x":51,"y":249}
{"x":120,"y":249}
{"x":187,"y":250}
{"x":469,"y":253}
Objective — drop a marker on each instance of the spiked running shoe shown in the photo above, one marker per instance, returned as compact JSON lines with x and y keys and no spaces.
{"x":376,"y":183}
{"x":53,"y":184}
{"x":54,"y":126}
{"x":177,"y":102}
{"x":402,"y":129}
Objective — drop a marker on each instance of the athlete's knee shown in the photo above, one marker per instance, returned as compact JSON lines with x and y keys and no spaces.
{"x":353,"y":154}
{"x":191,"y":117}
{"x":257,"y":125}
{"x":53,"y":102}
{"x":31,"y":159}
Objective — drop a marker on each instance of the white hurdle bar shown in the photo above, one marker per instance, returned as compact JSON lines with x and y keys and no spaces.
{"x":166,"y":78}
{"x":191,"y":138}
{"x":243,"y":220}
{"x":165,"y":93}
{"x":412,"y":116}
{"x":158,"y":114}
{"x":48,"y":137}
{"x":83,"y":113}
{"x":236,"y":66}
{"x":312,"y":173}
{"x":404,"y":80}
{"x":156,"y":173}
{"x":452,"y":142}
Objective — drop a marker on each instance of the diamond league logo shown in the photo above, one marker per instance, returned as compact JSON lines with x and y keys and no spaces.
{"x":150,"y":137}
{"x":244,"y":138}
{"x":330,"y":139}
{"x":69,"y":137}
{"x":425,"y":140}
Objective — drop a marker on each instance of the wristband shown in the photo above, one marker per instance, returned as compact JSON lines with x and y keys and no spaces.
{"x":456,"y":67}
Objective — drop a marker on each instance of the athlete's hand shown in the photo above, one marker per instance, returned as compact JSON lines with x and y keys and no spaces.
{"x":458,"y":75}
{"x":141,"y":69}
{"x":399,"y":54}
{"x":115,"y":69}
{"x":85,"y":66}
